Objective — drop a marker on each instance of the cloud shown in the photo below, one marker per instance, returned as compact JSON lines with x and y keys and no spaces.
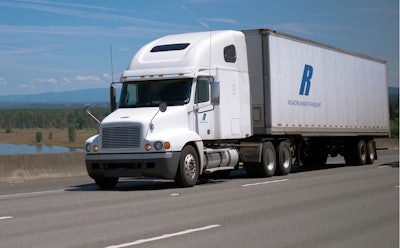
{"x":94,"y":12}
{"x":48,"y":80}
{"x":80,"y":79}
{"x":200,"y":21}
{"x":222,"y":20}
{"x":3,"y":81}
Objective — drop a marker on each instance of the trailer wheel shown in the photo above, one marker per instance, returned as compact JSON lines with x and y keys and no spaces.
{"x":188,"y":170}
{"x":360,"y":152}
{"x":371,"y":152}
{"x":106,"y":182}
{"x":268,"y":162}
{"x":284,"y":156}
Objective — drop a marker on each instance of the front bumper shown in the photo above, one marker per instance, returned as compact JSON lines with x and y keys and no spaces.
{"x":161,"y":165}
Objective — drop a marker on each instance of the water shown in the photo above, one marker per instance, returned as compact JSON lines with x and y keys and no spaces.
{"x":9,"y":149}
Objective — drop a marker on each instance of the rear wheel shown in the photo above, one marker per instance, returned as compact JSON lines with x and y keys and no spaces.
{"x":268,"y":162}
{"x":355,"y":152}
{"x":188,"y":170}
{"x":360,"y":153}
{"x":371,"y":152}
{"x":284,"y":156}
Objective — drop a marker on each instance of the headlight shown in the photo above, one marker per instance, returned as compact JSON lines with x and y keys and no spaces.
{"x":147,"y":147}
{"x":88,"y":147}
{"x":158,"y":145}
{"x":95,"y":148}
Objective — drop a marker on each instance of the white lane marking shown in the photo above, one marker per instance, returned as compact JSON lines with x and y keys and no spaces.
{"x":165,"y":236}
{"x":5,"y":217}
{"x":32,"y":193}
{"x":267,"y":182}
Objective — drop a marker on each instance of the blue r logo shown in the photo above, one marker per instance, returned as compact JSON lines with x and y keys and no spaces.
{"x":306,"y":81}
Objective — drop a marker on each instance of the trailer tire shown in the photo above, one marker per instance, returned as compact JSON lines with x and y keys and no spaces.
{"x":360,"y":152}
{"x":268,"y":161}
{"x":188,"y":169}
{"x":284,"y":156}
{"x":106,"y":182}
{"x":371,"y":152}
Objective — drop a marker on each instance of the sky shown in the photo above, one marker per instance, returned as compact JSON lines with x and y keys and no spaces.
{"x":51,"y":45}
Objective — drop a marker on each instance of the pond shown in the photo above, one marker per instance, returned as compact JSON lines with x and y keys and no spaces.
{"x":10,"y":149}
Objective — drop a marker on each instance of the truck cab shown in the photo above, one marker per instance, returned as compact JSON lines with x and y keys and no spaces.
{"x":180,"y":94}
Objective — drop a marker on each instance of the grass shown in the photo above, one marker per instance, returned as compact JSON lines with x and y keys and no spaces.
{"x":59,"y":137}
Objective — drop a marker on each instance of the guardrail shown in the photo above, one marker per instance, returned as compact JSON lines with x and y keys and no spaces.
{"x":19,"y":168}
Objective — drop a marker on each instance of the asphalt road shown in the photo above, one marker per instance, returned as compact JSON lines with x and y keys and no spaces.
{"x":336,"y":206}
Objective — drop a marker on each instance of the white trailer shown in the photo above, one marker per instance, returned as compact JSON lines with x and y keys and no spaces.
{"x":208,"y":102}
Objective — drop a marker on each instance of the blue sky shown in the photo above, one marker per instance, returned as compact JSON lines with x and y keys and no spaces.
{"x":49,"y":45}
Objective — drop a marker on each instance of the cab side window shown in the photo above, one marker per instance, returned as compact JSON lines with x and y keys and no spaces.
{"x":230,"y":54}
{"x":202,"y":90}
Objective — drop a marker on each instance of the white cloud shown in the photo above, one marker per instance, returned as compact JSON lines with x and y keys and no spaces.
{"x":3,"y":81}
{"x":29,"y":85}
{"x":48,"y":80}
{"x":87,"y":78}
{"x":221,"y":20}
{"x":74,"y":80}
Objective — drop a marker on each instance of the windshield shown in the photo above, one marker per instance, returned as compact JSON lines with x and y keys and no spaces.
{"x":151,"y":93}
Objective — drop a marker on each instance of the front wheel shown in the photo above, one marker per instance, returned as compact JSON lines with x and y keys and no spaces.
{"x":106,"y":182}
{"x":188,"y":169}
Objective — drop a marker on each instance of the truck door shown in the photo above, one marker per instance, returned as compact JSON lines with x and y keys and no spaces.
{"x":204,"y":108}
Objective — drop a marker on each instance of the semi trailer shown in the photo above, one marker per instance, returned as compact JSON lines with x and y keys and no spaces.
{"x":211,"y":102}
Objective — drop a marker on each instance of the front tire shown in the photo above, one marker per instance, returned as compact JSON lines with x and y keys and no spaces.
{"x":188,"y":169}
{"x":106,"y":182}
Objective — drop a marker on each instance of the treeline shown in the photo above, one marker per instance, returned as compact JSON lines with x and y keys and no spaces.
{"x":394,"y":116}
{"x":76,"y":118}
{"x":49,"y":118}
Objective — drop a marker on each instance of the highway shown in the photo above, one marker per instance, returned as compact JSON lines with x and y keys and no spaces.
{"x":336,"y":206}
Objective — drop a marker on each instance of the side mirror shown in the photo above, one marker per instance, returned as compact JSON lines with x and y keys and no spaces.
{"x":162,"y":107}
{"x":113,"y":96}
{"x":88,"y":111}
{"x":215,"y":92}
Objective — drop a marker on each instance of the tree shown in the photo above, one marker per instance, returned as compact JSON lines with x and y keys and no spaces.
{"x":71,"y":134}
{"x":39,"y":137}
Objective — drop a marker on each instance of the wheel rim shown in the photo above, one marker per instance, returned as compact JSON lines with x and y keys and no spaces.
{"x":363,"y":151}
{"x":370,"y":150}
{"x":270,"y":160}
{"x":285,"y":158}
{"x":190,"y":166}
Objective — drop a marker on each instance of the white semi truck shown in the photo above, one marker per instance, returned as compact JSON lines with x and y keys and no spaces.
{"x":208,"y":102}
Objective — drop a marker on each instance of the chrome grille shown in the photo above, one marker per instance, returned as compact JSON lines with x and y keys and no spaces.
{"x":121,"y":137}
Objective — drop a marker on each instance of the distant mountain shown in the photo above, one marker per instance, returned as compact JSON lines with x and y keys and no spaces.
{"x":97,"y":95}
{"x":79,"y":97}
